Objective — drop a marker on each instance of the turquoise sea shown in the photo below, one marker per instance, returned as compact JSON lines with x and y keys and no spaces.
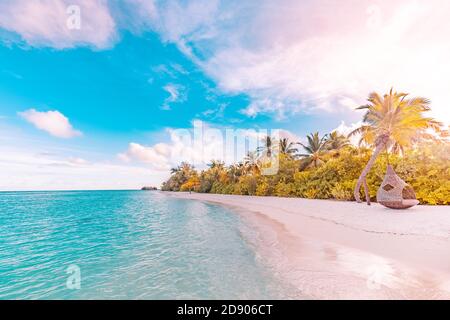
{"x":126,"y":245}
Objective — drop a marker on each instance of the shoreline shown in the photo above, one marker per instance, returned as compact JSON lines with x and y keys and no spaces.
{"x":348,"y":247}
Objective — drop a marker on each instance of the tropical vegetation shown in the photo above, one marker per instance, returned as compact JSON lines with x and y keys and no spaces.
{"x":330,"y":167}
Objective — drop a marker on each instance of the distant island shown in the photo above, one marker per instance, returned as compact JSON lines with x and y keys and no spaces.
{"x":149,"y":188}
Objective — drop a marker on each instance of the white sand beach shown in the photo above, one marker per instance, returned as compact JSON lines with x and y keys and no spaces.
{"x":344,"y":250}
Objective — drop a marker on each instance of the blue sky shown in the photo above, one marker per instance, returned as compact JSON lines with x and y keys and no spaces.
{"x":107,"y":97}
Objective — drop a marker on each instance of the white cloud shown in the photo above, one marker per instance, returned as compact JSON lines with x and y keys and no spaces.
{"x":52,"y":122}
{"x":292,"y":137}
{"x":32,"y":169}
{"x":148,"y":155}
{"x":124,"y":157}
{"x":45,"y":22}
{"x":181,"y":21}
{"x":30,"y":162}
{"x":136,"y":15}
{"x":346,"y":129}
{"x":176,"y":94}
{"x":200,"y":145}
{"x":274,"y":105}
{"x":311,"y":55}
{"x":78,"y":161}
{"x":316,"y":55}
{"x":184,"y":145}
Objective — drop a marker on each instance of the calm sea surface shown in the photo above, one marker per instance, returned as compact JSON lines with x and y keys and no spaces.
{"x":125,"y":245}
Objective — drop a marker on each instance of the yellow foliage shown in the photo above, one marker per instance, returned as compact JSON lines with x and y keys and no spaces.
{"x":426,"y":169}
{"x":191,"y":185}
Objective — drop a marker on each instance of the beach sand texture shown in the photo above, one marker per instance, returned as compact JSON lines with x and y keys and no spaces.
{"x":344,"y":250}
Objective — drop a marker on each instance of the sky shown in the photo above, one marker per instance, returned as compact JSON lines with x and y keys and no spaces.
{"x":107,"y":94}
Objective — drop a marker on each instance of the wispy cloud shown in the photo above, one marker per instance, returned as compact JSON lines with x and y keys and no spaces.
{"x":215,"y":112}
{"x":322,"y":55}
{"x":173,"y":70}
{"x":53,"y":122}
{"x":78,"y":161}
{"x":315,"y":55}
{"x":177,"y":93}
{"x":27,"y":170}
{"x":13,"y":74}
{"x":287,"y":56}
{"x":47,"y":22}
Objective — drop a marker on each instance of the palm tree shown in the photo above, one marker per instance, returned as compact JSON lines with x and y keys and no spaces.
{"x":287,"y":148}
{"x":314,"y":150}
{"x":180,"y":175}
{"x":336,"y":141}
{"x":251,"y":163}
{"x":216,"y":164}
{"x":184,"y":168}
{"x":268,"y":148}
{"x":235,"y":171}
{"x":216,"y":168}
{"x":391,"y":122}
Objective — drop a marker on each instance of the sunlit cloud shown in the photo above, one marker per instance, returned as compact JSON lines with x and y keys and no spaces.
{"x":317,"y":56}
{"x":53,"y":122}
{"x":201,"y":144}
{"x":25,"y":169}
{"x":345,"y":130}
{"x":288,"y":56}
{"x":49,"y":23}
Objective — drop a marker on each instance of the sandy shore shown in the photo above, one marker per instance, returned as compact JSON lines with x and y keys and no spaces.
{"x":335,"y":250}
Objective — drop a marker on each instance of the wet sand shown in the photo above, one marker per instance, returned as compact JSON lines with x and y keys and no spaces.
{"x":344,"y":250}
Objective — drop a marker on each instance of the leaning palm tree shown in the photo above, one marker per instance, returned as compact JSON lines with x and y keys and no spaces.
{"x":391,"y":122}
{"x":315,"y":149}
{"x":286,"y":147}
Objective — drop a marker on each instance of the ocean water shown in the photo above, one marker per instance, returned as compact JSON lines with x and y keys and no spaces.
{"x":126,"y":245}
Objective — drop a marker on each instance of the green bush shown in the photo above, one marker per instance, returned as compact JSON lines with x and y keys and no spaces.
{"x":285,"y":189}
{"x":343,"y":191}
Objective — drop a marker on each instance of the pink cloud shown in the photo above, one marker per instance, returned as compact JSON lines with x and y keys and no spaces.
{"x":324,"y":54}
{"x":45,"y":22}
{"x":309,"y":55}
{"x":52,"y":122}
{"x":287,"y":56}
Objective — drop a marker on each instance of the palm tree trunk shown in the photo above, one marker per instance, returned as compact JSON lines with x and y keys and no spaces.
{"x":362,"y":177}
